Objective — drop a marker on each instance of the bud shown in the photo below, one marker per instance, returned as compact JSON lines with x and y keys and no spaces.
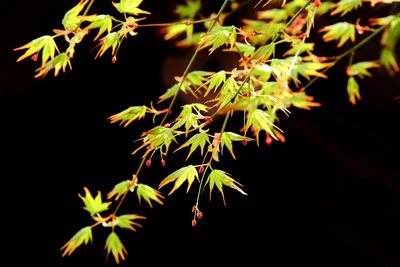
{"x":114,"y":59}
{"x":245,"y":141}
{"x":167,"y":125}
{"x":281,"y":138}
{"x":201,"y":169}
{"x":317,"y":3}
{"x":148,"y":163}
{"x":268,"y":140}
{"x":193,"y":208}
{"x":34,"y":57}
{"x":199,"y":215}
{"x":163,"y":162}
{"x":194,"y":223}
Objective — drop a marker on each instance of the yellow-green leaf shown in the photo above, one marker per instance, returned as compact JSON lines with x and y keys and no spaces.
{"x":219,"y":179}
{"x":198,"y":140}
{"x":71,"y":20}
{"x":94,"y":205}
{"x":149,"y":194}
{"x":129,"y":115}
{"x":120,"y":189}
{"x":115,"y":246}
{"x":353,"y":90}
{"x":130,"y":7}
{"x":83,"y":236}
{"x":360,"y":69}
{"x":188,"y":173}
{"x":128,"y":221}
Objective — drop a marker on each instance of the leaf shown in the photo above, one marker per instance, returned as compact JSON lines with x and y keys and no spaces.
{"x":188,"y":118}
{"x":301,"y":100}
{"x":299,"y":47}
{"x":197,"y":140}
{"x":84,"y":235}
{"x":259,"y":121}
{"x":264,"y":52}
{"x":111,"y":40}
{"x":103,"y":23}
{"x":71,"y":20}
{"x":94,"y":205}
{"x":228,"y":137}
{"x":174,"y":30}
{"x":342,"y":31}
{"x":223,"y":35}
{"x":353,"y":90}
{"x":130,"y":7}
{"x":188,"y":10}
{"x":345,"y":6}
{"x":219,"y":179}
{"x":61,"y":61}
{"x":360,"y":69}
{"x":149,"y":194}
{"x":120,"y":189}
{"x":115,"y":246}
{"x":244,"y":49}
{"x":129,"y":115}
{"x":35,"y":46}
{"x":188,"y":173}
{"x":388,"y":60}
{"x":274,"y":14}
{"x":215,"y":81}
{"x":127,"y":221}
{"x":185,"y":87}
{"x":198,"y":77}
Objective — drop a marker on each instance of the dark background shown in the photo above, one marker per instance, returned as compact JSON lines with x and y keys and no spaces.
{"x":329,"y":196}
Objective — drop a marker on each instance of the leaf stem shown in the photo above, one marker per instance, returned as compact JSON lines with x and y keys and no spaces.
{"x":166,"y":24}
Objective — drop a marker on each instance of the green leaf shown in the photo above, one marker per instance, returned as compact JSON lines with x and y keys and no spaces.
{"x":264,"y":52}
{"x":360,"y":69}
{"x":188,"y":173}
{"x":149,"y":194}
{"x":325,"y":7}
{"x":244,"y":49}
{"x":388,"y":60}
{"x":128,"y":115}
{"x":353,"y":90}
{"x":120,"y":189}
{"x":158,"y":137}
{"x":71,"y":20}
{"x":341,"y":31}
{"x":94,"y":205}
{"x":223,"y":35}
{"x":103,"y":23}
{"x":188,"y":118}
{"x":127,"y":221}
{"x":259,"y":121}
{"x":111,"y":40}
{"x":84,"y":235}
{"x":274,"y":14}
{"x":345,"y":6}
{"x":173,"y":90}
{"x":197,"y":78}
{"x":115,"y":246}
{"x":228,"y":137}
{"x":215,"y":81}
{"x":219,"y":179}
{"x":61,"y":61}
{"x":299,"y":47}
{"x":188,"y":10}
{"x":198,"y":140}
{"x":35,"y":46}
{"x":174,"y":30}
{"x":300,"y":100}
{"x":130,"y":7}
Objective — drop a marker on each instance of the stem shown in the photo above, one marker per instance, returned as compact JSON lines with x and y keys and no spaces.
{"x":347,"y":52}
{"x":88,"y":8}
{"x":189,"y":65}
{"x":166,"y":24}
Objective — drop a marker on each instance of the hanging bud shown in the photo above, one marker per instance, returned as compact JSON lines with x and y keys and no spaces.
{"x":114,"y":59}
{"x":148,"y":163}
{"x":193,"y":208}
{"x":199,"y":215}
{"x":194,"y":222}
{"x":281,"y":138}
{"x":201,"y":169}
{"x":163,"y":162}
{"x":34,"y":57}
{"x":268,"y":140}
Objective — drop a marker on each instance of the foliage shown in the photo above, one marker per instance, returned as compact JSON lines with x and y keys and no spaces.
{"x":278,"y":61}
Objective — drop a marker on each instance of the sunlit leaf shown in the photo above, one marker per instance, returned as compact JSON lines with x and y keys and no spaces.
{"x":128,"y":221}
{"x":353,"y":90}
{"x":71,"y":20}
{"x":228,"y":137}
{"x":111,"y":40}
{"x":223,"y":35}
{"x":130,"y":7}
{"x":360,"y":69}
{"x":219,"y":179}
{"x":94,"y":205}
{"x":115,"y":246}
{"x":45,"y":42}
{"x":83,"y":236}
{"x":345,"y":6}
{"x":215,"y":81}
{"x":188,"y":173}
{"x":258,"y":120}
{"x":198,"y":140}
{"x":389,"y":61}
{"x":120,"y":189}
{"x":341,"y":31}
{"x":149,"y":194}
{"x":274,"y":14}
{"x":103,"y":23}
{"x":245,"y":50}
{"x":128,"y":115}
{"x":189,"y":9}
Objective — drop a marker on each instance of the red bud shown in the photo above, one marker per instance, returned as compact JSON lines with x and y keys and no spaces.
{"x":35,"y":57}
{"x":193,"y":208}
{"x":201,"y":169}
{"x":199,"y":215}
{"x":194,"y":223}
{"x":114,"y":59}
{"x":268,"y":140}
{"x":148,"y":163}
{"x":163,"y":162}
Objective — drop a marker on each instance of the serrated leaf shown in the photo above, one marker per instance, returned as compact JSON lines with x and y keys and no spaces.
{"x":300,"y":100}
{"x":244,"y":49}
{"x":215,"y":81}
{"x":174,"y":30}
{"x":198,"y":140}
{"x":188,"y":173}
{"x":188,"y":10}
{"x":259,"y":121}
{"x":360,"y":69}
{"x":103,"y":23}
{"x":111,"y":40}
{"x":34,"y":46}
{"x":228,"y":137}
{"x":149,"y":194}
{"x":389,"y":61}
{"x":353,"y":90}
{"x":83,"y":236}
{"x":264,"y":52}
{"x":173,"y":90}
{"x":341,"y":31}
{"x":71,"y":20}
{"x":157,"y":137}
{"x":129,"y":115}
{"x":130,"y":7}
{"x":115,"y":246}
{"x":345,"y":6}
{"x":274,"y":14}
{"x":198,"y":77}
{"x":127,"y":221}
{"x":219,"y":179}
{"x":223,"y":35}
{"x":119,"y":189}
{"x":94,"y":205}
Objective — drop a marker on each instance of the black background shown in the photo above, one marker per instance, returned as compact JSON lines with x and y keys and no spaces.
{"x":327,"y":197}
